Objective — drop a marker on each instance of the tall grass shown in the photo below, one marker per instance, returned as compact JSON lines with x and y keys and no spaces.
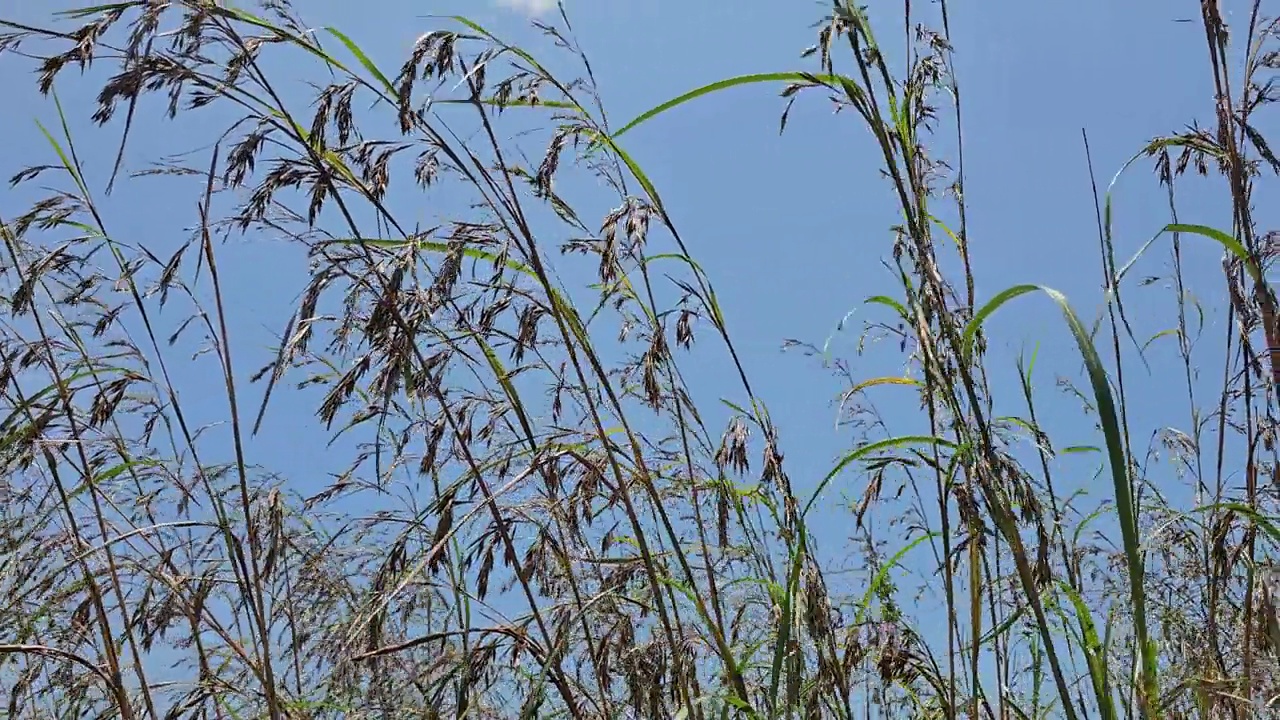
{"x":559,"y":531}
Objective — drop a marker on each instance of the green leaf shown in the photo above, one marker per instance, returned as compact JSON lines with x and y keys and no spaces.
{"x":867,"y":449}
{"x":882,"y":575}
{"x":1118,"y":460}
{"x":716,"y":87}
{"x":364,"y":60}
{"x":1231,"y":244}
{"x":1095,"y":654}
{"x":890,"y":303}
{"x":974,"y":325}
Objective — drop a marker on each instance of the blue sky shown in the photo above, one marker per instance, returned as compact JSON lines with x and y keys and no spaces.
{"x":792,"y":229}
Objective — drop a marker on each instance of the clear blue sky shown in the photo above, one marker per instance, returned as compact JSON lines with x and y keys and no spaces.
{"x":792,"y":229}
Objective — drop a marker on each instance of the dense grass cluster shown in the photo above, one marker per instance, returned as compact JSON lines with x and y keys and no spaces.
{"x":557,"y":530}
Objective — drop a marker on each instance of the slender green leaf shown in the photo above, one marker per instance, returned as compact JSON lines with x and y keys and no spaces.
{"x":364,"y":60}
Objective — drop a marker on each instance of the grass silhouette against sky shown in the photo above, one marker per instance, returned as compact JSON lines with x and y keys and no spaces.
{"x":792,"y":228}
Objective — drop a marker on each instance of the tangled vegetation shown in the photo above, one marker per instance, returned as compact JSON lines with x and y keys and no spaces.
{"x":557,"y":530}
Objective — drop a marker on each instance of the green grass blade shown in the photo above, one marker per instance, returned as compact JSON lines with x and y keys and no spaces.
{"x":1232,"y":245}
{"x":364,"y":60}
{"x":1095,"y":654}
{"x":711,"y":88}
{"x":974,"y":325}
{"x":882,"y":575}
{"x":867,"y":449}
{"x":1118,"y":460}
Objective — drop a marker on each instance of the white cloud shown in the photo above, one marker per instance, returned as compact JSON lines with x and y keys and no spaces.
{"x":529,"y":7}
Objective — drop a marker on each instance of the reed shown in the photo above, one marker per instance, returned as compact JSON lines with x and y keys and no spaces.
{"x":557,"y":528}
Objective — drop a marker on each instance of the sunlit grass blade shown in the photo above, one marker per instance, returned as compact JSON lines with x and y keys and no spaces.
{"x":364,"y":60}
{"x":709,"y":89}
{"x":867,"y":449}
{"x":1148,"y":691}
